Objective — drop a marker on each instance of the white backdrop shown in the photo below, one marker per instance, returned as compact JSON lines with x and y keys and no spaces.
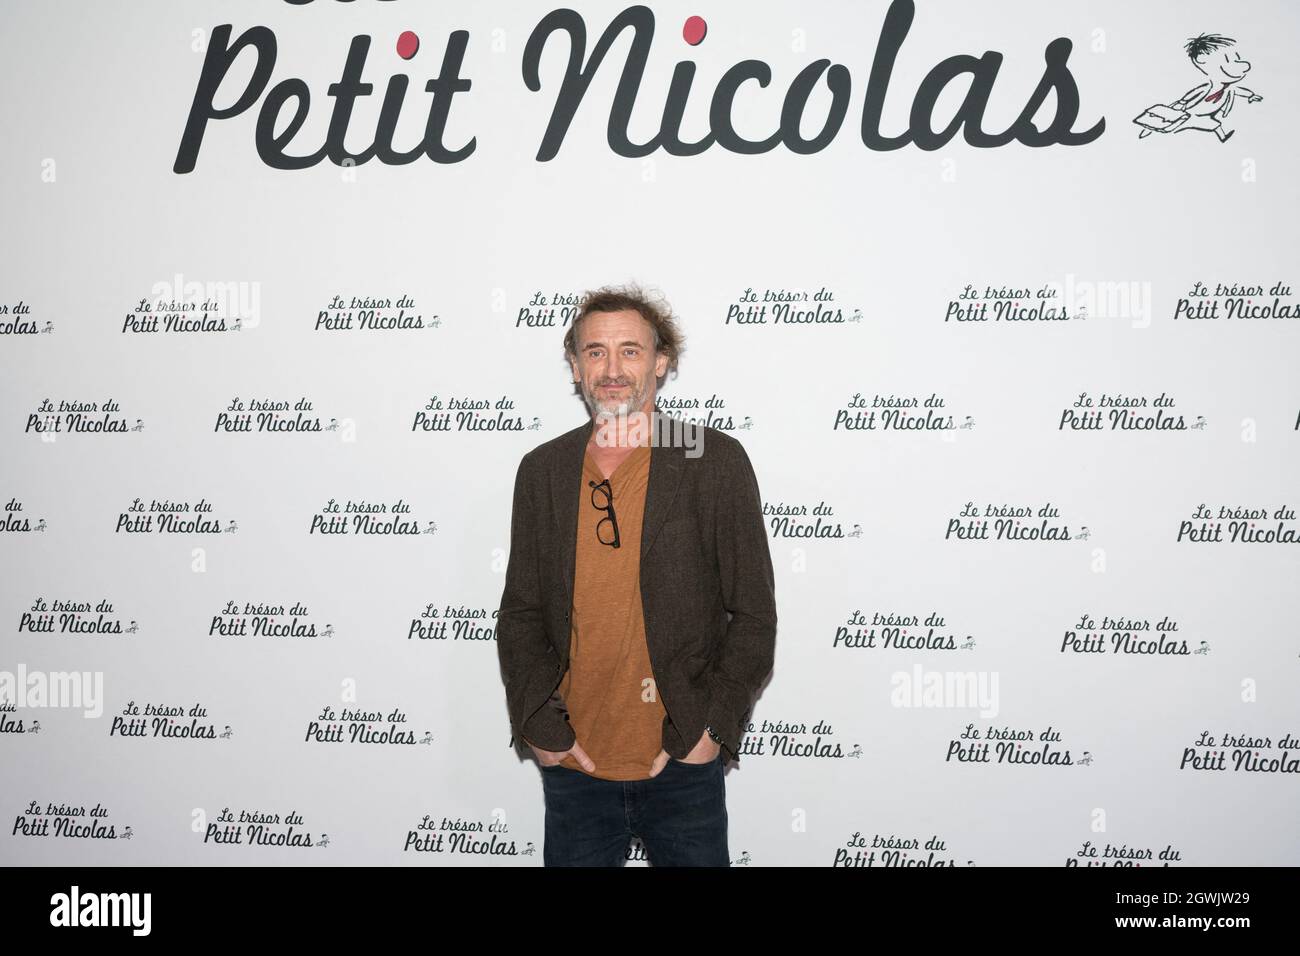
{"x":347,"y":684}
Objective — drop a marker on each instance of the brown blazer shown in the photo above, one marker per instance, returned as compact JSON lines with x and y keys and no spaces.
{"x":707,"y":587}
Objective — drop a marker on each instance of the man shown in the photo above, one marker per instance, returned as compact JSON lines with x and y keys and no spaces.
{"x":638,"y":619}
{"x":1204,"y":107}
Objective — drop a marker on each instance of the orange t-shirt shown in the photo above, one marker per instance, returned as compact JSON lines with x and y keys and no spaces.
{"x":609,"y":688}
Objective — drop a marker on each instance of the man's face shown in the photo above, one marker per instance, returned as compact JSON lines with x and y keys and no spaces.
{"x":1226,"y":65}
{"x":616,"y":365}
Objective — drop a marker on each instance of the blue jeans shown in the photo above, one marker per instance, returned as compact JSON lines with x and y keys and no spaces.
{"x":680,"y":816}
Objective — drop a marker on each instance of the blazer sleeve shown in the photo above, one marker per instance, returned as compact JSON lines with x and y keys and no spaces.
{"x":529,"y":664}
{"x":748,"y":594}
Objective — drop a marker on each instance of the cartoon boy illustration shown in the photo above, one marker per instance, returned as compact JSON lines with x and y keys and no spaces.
{"x":1204,"y":106}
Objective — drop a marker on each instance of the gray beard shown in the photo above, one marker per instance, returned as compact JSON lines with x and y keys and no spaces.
{"x":615,"y":407}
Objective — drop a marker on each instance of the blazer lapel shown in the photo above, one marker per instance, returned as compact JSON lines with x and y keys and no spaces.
{"x":566,"y":472}
{"x":665,"y":475}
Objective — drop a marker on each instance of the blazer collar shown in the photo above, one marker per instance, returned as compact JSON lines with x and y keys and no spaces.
{"x":666,"y":460}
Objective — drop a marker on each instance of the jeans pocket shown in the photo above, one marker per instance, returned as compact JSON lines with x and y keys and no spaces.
{"x":697,"y":766}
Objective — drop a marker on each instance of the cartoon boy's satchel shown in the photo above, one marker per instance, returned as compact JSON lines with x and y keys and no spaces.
{"x":1160,"y":118}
